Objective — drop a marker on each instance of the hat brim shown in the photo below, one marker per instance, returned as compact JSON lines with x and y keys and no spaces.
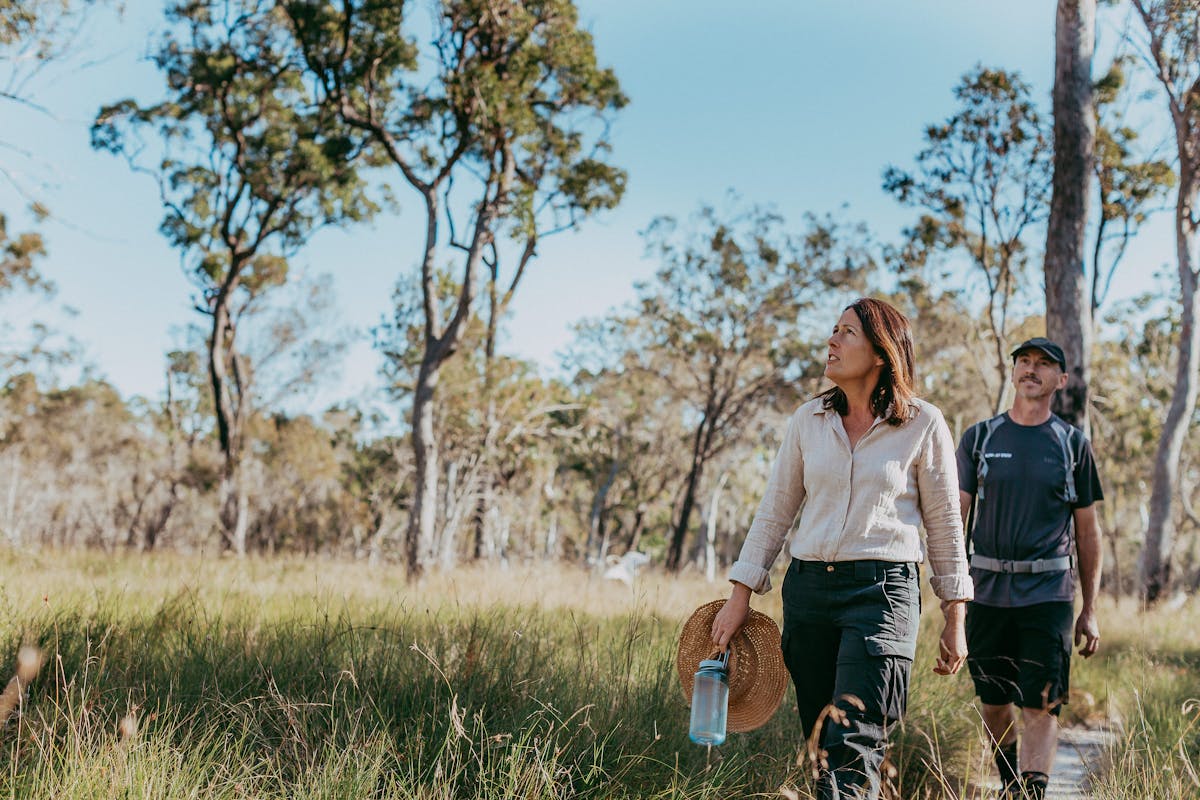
{"x":1047,"y":353}
{"x":758,"y":678}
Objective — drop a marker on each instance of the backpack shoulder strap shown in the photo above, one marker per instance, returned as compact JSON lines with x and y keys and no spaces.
{"x":983,"y":434}
{"x":1066,"y":437}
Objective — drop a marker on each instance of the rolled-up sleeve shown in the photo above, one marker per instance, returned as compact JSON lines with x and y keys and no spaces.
{"x":776,"y":513}
{"x":937,"y":486}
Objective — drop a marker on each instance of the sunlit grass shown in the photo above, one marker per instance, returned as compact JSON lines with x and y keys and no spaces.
{"x":173,"y":677}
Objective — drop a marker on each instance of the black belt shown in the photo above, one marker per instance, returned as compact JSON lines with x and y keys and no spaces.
{"x":861,"y":569}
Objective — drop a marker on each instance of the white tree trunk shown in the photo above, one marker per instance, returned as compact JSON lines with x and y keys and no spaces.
{"x":448,"y":555}
{"x":423,"y":520}
{"x":12,"y":524}
{"x":710,"y":546}
{"x":235,"y":514}
{"x":1160,"y":533}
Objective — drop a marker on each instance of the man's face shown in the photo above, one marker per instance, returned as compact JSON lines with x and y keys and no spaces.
{"x":1037,"y":375}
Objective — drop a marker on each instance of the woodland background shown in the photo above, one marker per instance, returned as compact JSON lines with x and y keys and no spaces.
{"x":487,"y":120}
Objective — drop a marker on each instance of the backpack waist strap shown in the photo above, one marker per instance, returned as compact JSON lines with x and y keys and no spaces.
{"x":1060,"y":564}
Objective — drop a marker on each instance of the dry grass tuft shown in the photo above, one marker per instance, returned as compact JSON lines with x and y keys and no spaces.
{"x":127,"y":728}
{"x":29,"y":663}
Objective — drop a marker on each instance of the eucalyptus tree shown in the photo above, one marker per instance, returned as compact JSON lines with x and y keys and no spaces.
{"x":1172,"y":52}
{"x":982,"y":181}
{"x":248,"y":165}
{"x":739,"y":308}
{"x":498,"y":126}
{"x":627,"y":449}
{"x":496,"y":431}
{"x":1068,"y":312}
{"x":1132,"y":391}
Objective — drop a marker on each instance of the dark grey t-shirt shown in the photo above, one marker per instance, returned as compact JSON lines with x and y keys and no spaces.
{"x":1025,"y":515}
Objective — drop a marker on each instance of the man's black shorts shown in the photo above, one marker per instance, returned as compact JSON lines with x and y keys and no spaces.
{"x":1021,"y":655}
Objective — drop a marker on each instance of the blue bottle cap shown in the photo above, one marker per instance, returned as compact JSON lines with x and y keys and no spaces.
{"x":720,"y":662}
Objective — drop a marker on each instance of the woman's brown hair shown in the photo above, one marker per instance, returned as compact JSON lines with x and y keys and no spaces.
{"x":890,"y":334}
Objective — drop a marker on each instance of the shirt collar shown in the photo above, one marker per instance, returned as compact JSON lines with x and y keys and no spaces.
{"x":819,"y":408}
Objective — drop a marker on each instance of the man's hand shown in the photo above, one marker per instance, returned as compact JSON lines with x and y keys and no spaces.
{"x":952,"y":647}
{"x":1087,"y":633}
{"x":732,"y":616}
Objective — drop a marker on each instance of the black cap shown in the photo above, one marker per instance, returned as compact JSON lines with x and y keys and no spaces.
{"x":1046,"y":346}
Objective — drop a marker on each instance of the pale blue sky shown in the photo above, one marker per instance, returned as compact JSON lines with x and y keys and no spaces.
{"x":796,"y":104}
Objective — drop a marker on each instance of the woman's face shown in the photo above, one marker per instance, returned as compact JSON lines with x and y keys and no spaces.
{"x":851,"y":356}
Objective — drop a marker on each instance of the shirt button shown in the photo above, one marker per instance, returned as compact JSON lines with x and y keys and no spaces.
{"x":829,"y":568}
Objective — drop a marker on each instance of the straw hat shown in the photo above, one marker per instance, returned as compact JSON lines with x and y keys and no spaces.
{"x":757,"y":676}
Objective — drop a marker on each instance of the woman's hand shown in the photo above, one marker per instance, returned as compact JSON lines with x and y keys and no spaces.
{"x":952,"y":647}
{"x":732,"y":616}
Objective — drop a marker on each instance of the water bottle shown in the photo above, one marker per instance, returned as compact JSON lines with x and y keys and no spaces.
{"x":710,"y":701}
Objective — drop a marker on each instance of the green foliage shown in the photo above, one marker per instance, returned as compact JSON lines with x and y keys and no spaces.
{"x":734,"y":301}
{"x":1130,"y":188}
{"x":501,"y":120}
{"x":514,"y":80}
{"x":508,"y":130}
{"x":250,"y":165}
{"x":984,"y":177}
{"x":982,"y":182}
{"x":247,"y":161}
{"x":17,"y":255}
{"x":732,"y":322}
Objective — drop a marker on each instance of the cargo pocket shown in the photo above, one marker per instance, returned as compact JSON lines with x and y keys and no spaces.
{"x":882,"y":646}
{"x":902,"y":603}
{"x":893,"y":659}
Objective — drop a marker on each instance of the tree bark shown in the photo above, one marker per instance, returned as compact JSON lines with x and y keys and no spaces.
{"x":425,"y":453}
{"x":1160,"y":532}
{"x":596,"y":549}
{"x":1068,"y":306}
{"x":440,"y":344}
{"x":675,"y":553}
{"x":230,"y":412}
{"x":710,"y":545}
{"x":491,"y":422}
{"x":449,"y":543}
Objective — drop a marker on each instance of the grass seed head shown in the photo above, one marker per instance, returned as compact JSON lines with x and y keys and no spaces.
{"x":127,"y":729}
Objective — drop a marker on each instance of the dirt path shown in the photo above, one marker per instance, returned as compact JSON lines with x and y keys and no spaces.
{"x":1082,"y":753}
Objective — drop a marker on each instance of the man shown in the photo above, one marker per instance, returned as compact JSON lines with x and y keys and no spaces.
{"x":1027,"y":478}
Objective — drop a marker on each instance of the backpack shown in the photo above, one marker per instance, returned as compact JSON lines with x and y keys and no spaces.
{"x":1066,"y":439}
{"x":1071,"y":447}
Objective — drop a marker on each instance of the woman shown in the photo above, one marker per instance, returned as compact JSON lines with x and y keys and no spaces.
{"x":868,"y":462}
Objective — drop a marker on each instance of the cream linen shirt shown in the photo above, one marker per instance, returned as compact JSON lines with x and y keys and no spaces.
{"x":865,"y":502}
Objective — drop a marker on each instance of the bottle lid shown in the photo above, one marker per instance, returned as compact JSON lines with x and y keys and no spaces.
{"x":720,"y":662}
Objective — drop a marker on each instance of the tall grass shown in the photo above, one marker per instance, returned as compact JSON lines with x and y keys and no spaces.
{"x":173,"y":677}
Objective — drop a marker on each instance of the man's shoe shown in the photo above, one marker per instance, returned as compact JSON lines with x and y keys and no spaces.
{"x":1035,"y":785}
